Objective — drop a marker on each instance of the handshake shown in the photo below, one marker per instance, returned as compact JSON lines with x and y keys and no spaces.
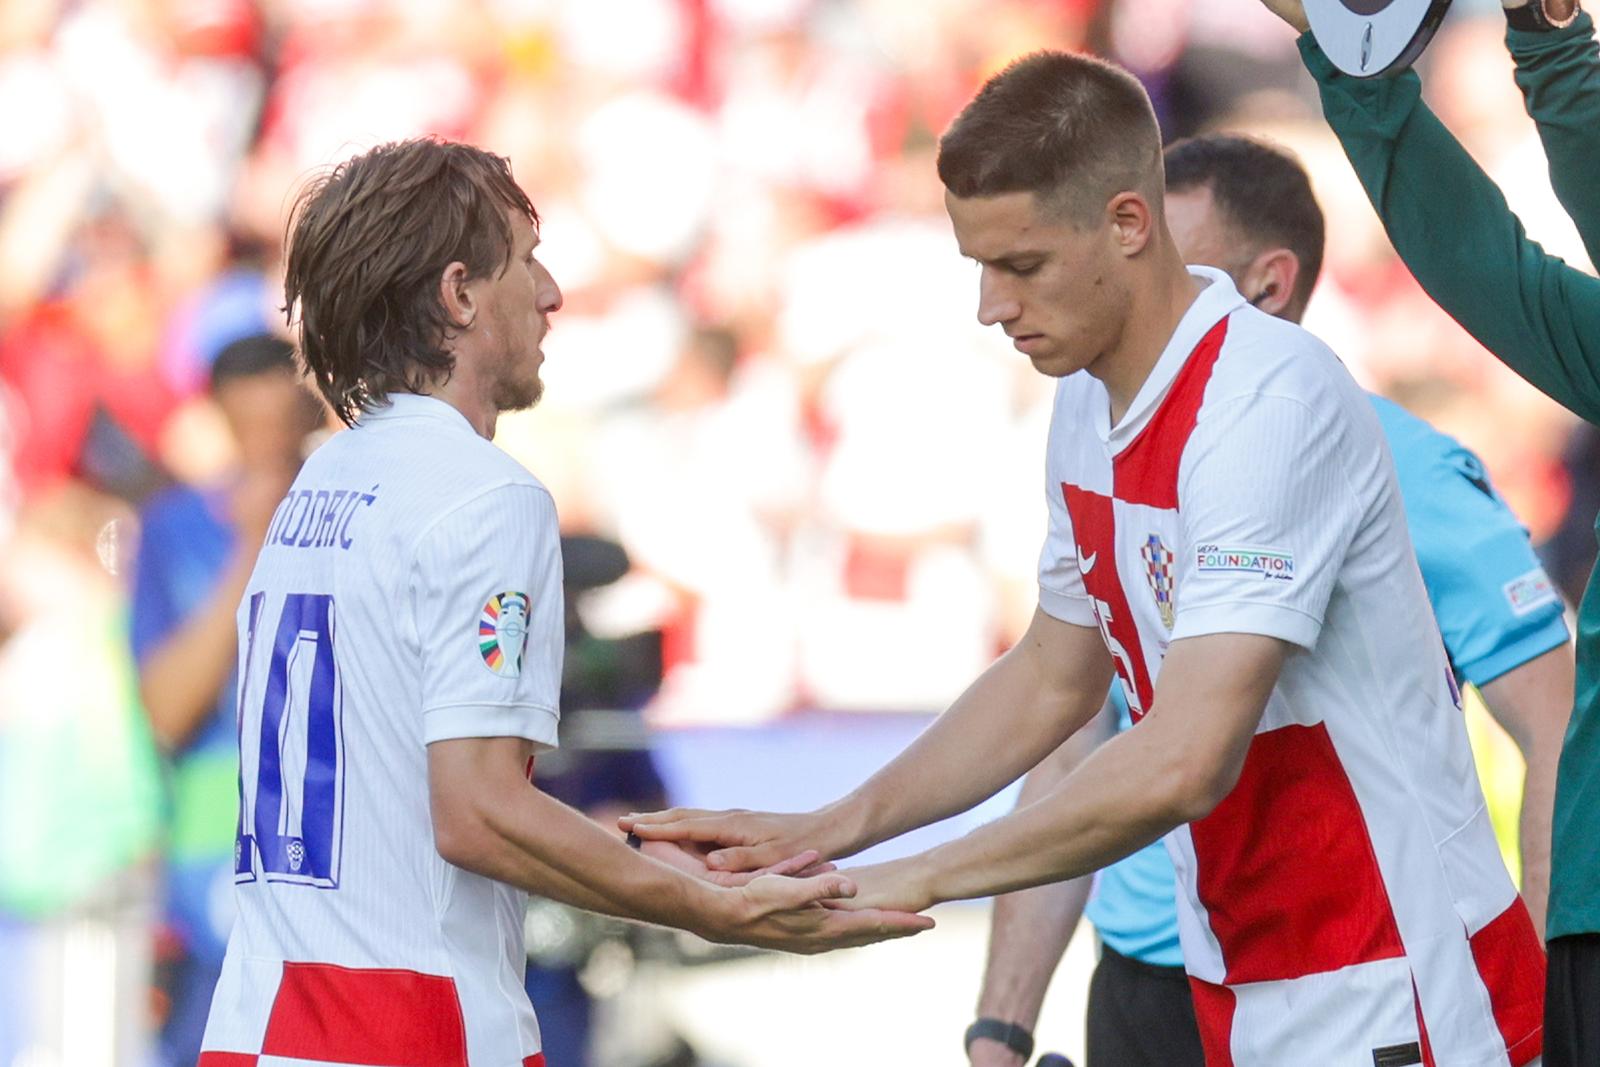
{"x":783,"y":892}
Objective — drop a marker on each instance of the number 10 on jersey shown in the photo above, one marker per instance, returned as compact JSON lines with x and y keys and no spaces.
{"x":291,"y":747}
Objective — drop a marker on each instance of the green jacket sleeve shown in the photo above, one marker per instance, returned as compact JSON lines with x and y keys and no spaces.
{"x":1558,"y":72}
{"x":1455,"y":231}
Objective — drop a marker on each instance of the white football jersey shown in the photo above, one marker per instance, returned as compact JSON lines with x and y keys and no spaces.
{"x":408,"y":591}
{"x":1346,"y":903}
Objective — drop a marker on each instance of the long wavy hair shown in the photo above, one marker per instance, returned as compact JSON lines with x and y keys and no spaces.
{"x":368,"y":242}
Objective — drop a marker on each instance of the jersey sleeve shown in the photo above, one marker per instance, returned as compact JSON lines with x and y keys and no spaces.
{"x":1062,"y":594}
{"x":1268,"y":515}
{"x":486,"y":589}
{"x":1496,"y":607}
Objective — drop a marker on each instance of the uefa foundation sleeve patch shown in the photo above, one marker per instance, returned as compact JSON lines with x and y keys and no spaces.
{"x":1530,"y":592}
{"x":1230,"y":559}
{"x":503,"y":633}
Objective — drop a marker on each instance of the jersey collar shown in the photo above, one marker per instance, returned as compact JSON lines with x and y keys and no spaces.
{"x":415,"y":406}
{"x":1216,"y":301}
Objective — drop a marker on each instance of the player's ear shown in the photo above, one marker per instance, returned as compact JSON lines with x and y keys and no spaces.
{"x":1269,"y":281}
{"x":456,"y":295}
{"x":1132,"y":222}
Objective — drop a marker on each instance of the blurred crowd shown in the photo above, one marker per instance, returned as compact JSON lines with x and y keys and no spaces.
{"x":767,"y":383}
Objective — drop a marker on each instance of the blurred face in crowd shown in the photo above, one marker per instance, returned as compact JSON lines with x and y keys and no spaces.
{"x":270,"y":415}
{"x":1057,"y":287}
{"x":513,"y":317}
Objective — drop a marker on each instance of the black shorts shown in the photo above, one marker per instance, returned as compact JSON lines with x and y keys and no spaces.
{"x":1141,"y":1015}
{"x":1572,"y":1002}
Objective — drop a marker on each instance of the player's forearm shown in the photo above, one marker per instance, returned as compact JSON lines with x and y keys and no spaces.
{"x":1006,"y":721}
{"x":180,"y":680}
{"x":1174,"y":767}
{"x":512,"y":868}
{"x":542,"y":846}
{"x":489,"y":819}
{"x":1133,"y":789}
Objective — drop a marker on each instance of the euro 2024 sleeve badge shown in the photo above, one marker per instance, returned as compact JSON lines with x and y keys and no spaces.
{"x":503,"y":633}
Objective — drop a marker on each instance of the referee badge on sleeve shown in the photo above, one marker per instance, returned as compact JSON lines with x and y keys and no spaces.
{"x":503,"y":633}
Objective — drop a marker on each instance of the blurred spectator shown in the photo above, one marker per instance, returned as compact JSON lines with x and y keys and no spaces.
{"x":79,"y":793}
{"x":196,"y":552}
{"x":81,"y":367}
{"x":704,"y":481}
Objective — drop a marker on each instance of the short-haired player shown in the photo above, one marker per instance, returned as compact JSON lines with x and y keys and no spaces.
{"x":1227,"y":536}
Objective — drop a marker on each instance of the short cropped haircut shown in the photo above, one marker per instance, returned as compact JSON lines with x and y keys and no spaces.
{"x":1071,"y":129}
{"x":249,"y":356}
{"x":1260,"y":192}
{"x":367,"y":244}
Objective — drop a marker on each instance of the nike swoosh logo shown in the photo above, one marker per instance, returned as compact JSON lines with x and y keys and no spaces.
{"x":1086,"y":563}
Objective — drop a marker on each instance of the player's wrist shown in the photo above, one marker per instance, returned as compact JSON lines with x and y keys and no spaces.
{"x":948,"y":872}
{"x":702,"y":908}
{"x":922,"y":876}
{"x":719,"y":913}
{"x":842,"y":828}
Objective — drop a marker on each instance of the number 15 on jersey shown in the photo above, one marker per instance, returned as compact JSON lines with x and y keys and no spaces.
{"x":291,"y":746}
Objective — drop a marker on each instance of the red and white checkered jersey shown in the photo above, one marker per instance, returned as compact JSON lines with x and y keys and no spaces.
{"x":409,"y":591}
{"x":1346,"y":904}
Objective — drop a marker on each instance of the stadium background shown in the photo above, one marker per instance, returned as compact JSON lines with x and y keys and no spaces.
{"x":767,"y":384}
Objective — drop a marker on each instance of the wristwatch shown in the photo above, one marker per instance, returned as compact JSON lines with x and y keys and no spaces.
{"x":1018,"y":1039}
{"x":1533,"y":16}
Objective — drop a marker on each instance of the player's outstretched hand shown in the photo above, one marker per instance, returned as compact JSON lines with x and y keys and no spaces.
{"x":743,"y":840}
{"x":788,"y":914}
{"x":1291,"y":11}
{"x":689,"y":857}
